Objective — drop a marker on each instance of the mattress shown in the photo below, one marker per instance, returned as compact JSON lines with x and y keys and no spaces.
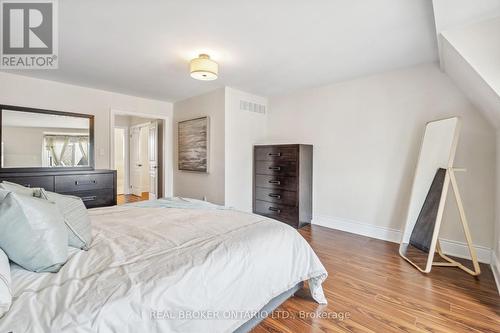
{"x":166,"y":267}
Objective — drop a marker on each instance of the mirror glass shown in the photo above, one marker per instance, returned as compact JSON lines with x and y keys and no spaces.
{"x":34,"y":140}
{"x":421,"y":230}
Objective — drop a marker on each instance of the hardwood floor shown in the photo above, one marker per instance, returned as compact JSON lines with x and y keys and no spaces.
{"x":377,"y":291}
{"x":128,"y":198}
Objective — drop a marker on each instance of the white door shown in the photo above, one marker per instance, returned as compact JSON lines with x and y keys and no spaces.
{"x":153,"y":160}
{"x":136,"y":165}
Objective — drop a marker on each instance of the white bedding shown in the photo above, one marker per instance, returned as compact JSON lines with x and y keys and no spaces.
{"x":149,"y":268}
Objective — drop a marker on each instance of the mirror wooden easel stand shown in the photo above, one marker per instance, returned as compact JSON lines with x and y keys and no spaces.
{"x":420,"y":241}
{"x":450,"y":178}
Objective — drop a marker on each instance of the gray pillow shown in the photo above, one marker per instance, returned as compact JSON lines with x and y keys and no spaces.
{"x":32,"y":232}
{"x":75,"y":216}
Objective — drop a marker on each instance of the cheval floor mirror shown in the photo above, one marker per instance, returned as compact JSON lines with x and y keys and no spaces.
{"x":434,"y":174}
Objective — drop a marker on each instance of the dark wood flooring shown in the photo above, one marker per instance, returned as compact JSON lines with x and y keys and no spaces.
{"x":373,"y":289}
{"x":127,"y":198}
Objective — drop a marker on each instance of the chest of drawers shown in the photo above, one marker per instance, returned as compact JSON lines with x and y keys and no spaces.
{"x":283,"y":183}
{"x":97,"y":188}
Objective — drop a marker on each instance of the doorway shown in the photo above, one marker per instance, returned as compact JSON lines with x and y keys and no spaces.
{"x":138,"y":158}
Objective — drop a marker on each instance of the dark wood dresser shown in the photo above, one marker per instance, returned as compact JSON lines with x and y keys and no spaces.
{"x":97,"y":188}
{"x":283,"y":183}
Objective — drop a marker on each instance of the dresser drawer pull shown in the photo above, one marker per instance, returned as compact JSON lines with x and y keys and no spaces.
{"x":275,"y":168}
{"x":274,"y":154}
{"x":90,"y":198}
{"x":276,"y":210}
{"x":277,"y":182}
{"x":277,"y":196}
{"x":86,"y":182}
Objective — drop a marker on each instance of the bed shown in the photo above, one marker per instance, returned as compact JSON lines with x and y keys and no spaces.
{"x":167,"y":266}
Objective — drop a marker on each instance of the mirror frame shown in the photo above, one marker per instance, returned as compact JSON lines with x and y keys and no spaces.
{"x":444,"y":193}
{"x":61,"y":113}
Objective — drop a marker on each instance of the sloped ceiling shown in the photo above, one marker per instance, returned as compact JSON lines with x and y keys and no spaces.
{"x":469,"y":39}
{"x":470,"y":81}
{"x":265,"y":47}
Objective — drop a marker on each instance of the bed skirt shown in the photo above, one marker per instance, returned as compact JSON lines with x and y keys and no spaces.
{"x":268,"y":308}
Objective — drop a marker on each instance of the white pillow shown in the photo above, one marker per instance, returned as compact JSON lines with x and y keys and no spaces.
{"x":75,"y":216}
{"x":5,"y":292}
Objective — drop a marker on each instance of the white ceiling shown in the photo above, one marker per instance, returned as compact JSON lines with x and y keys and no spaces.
{"x":264,"y":47}
{"x":470,"y":56}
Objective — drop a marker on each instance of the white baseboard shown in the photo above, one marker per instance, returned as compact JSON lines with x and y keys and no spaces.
{"x":450,"y":247}
{"x":495,"y":268}
{"x":369,"y":230}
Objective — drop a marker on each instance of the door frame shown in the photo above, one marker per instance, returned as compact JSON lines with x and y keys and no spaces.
{"x":126,"y":183}
{"x":167,"y":184}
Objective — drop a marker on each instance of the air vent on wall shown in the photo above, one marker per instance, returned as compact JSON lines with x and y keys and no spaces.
{"x":252,"y":107}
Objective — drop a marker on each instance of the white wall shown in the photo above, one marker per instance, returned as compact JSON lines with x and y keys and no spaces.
{"x":122,"y":121}
{"x":121,"y":160}
{"x":30,"y":92}
{"x":199,"y":185}
{"x":243,"y":130}
{"x":366,"y":135}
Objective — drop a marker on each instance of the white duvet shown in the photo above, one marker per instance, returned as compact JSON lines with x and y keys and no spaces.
{"x":165,"y":270}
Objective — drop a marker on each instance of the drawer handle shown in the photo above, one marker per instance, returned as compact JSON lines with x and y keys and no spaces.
{"x":86,"y":182}
{"x":277,"y":182}
{"x":277,"y":196}
{"x":275,"y":168}
{"x":274,"y":154}
{"x":90,"y":198}
{"x":276,"y":210}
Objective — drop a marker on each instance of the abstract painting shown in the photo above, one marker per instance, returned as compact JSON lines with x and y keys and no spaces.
{"x":193,"y":145}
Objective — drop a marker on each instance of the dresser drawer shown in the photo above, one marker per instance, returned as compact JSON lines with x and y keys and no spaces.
{"x":288,"y":198}
{"x":283,"y":213}
{"x":74,"y":183}
{"x":46,"y":182}
{"x":278,"y":168}
{"x":276,"y":153}
{"x":95,"y":198}
{"x":275,"y":182}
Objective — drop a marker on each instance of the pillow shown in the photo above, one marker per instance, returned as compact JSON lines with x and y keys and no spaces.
{"x":72,"y":208}
{"x":13,"y":187}
{"x":75,"y":216}
{"x":32,"y":232}
{"x":5,"y":292}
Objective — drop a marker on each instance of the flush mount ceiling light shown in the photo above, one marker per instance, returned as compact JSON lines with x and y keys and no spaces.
{"x":203,"y":68}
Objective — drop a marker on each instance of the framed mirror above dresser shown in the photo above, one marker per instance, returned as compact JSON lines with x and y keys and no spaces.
{"x":53,"y":150}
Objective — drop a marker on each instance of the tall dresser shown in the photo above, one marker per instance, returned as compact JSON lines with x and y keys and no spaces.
{"x":283,"y":183}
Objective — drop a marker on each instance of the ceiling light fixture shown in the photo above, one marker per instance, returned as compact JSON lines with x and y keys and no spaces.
{"x":203,"y":68}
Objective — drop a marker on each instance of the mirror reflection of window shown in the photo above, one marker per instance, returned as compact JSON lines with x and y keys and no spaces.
{"x":32,"y":139}
{"x":66,"y":150}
